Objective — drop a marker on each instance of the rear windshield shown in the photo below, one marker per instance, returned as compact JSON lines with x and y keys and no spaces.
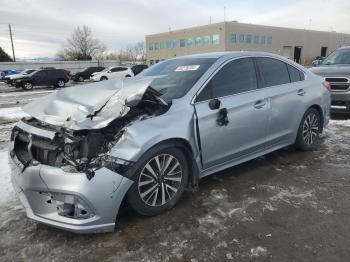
{"x":177,"y":76}
{"x":340,"y":56}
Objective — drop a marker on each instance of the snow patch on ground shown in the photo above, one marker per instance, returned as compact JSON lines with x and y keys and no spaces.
{"x":6,"y":190}
{"x":12,"y":114}
{"x":339,"y":123}
{"x":258,"y":251}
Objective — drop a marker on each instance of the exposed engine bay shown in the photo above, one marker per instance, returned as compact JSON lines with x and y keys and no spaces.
{"x":82,"y":150}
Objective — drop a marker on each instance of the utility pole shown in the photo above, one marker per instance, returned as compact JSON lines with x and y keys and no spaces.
{"x":224,"y":13}
{"x":13,"y":50}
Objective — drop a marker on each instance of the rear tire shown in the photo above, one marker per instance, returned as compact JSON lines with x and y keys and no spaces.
{"x":309,"y":130}
{"x":128,"y":76}
{"x":27,"y":86}
{"x":153,"y":194}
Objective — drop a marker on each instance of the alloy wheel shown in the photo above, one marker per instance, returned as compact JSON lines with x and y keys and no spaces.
{"x":60,"y":83}
{"x":27,"y":86}
{"x":160,"y":179}
{"x":311,"y":128}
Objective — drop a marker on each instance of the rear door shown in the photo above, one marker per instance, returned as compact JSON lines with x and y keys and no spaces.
{"x":282,"y":84}
{"x":39,"y":78}
{"x":237,"y":127}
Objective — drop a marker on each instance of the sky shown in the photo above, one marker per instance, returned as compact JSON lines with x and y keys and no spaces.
{"x":40,"y":27}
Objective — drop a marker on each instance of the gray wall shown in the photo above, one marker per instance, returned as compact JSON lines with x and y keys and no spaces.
{"x":73,"y":66}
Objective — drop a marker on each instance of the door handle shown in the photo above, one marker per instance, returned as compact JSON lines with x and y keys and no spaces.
{"x":260,"y":104}
{"x":301,"y":92}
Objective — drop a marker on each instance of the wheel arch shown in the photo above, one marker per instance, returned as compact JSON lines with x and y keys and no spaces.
{"x":186,"y":148}
{"x":320,"y":111}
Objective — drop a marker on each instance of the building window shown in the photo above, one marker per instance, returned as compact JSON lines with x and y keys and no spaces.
{"x":269,"y":40}
{"x":233,"y":38}
{"x":215,"y":39}
{"x":263,"y":40}
{"x":150,"y":47}
{"x":189,"y":42}
{"x":182,"y":42}
{"x":256,"y":39}
{"x":156,"y":46}
{"x":241,"y":39}
{"x":198,"y":41}
{"x":162,"y":45}
{"x":206,"y":40}
{"x":248,"y":39}
{"x":168,"y":44}
{"x":175,"y":44}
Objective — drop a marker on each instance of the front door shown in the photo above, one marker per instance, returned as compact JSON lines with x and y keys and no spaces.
{"x":232,"y":114}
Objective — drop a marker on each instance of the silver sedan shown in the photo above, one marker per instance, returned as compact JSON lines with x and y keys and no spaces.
{"x":144,"y":140}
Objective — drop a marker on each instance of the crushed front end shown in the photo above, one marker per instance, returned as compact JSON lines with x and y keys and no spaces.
{"x":69,"y":178}
{"x":70,"y":184}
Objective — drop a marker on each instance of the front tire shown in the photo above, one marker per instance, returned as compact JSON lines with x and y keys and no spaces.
{"x":103,"y":78}
{"x":80,"y":79}
{"x":27,"y":86}
{"x":60,"y":83}
{"x":309,"y":130}
{"x":160,"y":182}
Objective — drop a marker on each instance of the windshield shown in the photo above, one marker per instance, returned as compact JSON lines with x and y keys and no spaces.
{"x":340,"y":56}
{"x":177,"y":76}
{"x":28,"y":71}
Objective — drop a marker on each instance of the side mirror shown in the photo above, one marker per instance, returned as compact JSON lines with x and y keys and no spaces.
{"x":214,"y":104}
{"x":109,"y":71}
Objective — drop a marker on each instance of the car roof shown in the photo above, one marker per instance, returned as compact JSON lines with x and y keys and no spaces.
{"x":229,"y":54}
{"x":345,"y":47}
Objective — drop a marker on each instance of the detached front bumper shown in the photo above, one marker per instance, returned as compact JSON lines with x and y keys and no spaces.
{"x":69,"y":200}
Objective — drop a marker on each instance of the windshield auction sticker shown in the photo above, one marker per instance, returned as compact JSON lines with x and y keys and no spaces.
{"x":187,"y":68}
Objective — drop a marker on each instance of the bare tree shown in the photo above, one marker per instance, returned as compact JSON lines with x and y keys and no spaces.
{"x":133,"y":53}
{"x":81,"y":46}
{"x":136,"y":52}
{"x":140,"y":49}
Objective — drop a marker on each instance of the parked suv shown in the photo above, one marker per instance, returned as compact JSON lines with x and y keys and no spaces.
{"x":86,"y":73}
{"x":112,"y":72}
{"x":335,"y":68}
{"x":46,"y":77}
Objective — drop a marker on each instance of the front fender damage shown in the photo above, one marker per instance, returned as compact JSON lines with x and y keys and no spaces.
{"x":76,"y":148}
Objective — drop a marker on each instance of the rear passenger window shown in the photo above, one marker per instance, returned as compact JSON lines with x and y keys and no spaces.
{"x":295,"y":74}
{"x":235,"y":77}
{"x":273,"y":71}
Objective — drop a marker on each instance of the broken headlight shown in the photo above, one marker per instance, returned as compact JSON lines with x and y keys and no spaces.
{"x":117,"y":165}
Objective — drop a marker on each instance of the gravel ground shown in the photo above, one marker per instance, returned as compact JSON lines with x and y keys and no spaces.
{"x":286,"y":206}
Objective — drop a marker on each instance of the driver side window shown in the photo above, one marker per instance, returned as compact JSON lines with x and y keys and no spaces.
{"x":235,"y":77}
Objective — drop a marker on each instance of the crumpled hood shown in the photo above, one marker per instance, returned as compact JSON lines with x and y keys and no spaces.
{"x":331,"y":70}
{"x":90,"y":106}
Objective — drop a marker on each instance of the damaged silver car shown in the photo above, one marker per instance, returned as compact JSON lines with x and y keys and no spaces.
{"x":147,"y":139}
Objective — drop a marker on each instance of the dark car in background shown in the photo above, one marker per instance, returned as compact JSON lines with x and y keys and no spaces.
{"x":11,"y":79}
{"x":136,"y":69}
{"x":45,"y":77}
{"x":86,"y":73}
{"x":335,"y":68}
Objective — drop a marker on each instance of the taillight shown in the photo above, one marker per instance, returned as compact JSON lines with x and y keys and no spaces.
{"x":327,"y":85}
